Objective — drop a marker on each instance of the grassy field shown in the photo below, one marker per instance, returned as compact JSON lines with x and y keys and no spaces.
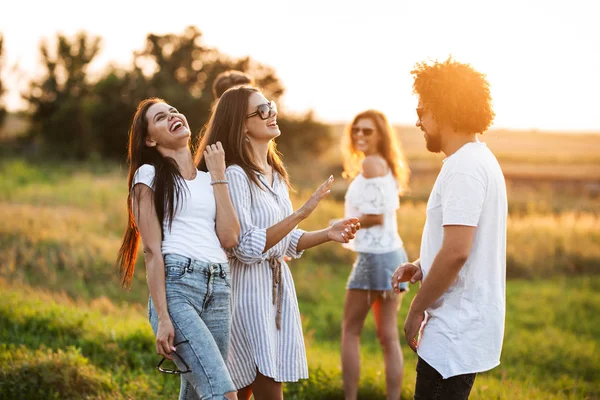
{"x":67,"y":331}
{"x":64,"y":348}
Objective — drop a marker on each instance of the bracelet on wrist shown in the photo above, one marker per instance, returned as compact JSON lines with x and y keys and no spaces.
{"x":220,"y":182}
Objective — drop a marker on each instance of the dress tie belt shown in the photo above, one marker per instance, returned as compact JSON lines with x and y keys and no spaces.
{"x":275,"y":264}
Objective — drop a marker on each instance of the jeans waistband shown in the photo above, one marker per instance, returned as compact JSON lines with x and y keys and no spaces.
{"x":190,"y":264}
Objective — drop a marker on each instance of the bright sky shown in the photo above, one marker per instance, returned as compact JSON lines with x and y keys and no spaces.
{"x":339,"y":57}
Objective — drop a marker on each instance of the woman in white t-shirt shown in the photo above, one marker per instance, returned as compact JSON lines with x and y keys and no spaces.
{"x":375,"y":162}
{"x":185,"y":218}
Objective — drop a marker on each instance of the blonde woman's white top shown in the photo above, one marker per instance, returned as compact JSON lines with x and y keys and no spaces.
{"x":379,"y":195}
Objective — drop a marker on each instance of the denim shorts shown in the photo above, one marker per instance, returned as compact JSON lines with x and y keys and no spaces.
{"x":198,"y":299}
{"x":373,"y":271}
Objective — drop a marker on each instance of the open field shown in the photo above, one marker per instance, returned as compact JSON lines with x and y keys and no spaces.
{"x":61,"y":348}
{"x":67,"y":331}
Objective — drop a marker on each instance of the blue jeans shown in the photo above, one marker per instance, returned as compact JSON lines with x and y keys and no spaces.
{"x":431,"y":386}
{"x":198,"y":299}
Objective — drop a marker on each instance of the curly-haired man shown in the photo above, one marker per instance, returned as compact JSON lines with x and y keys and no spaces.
{"x":458,"y":312}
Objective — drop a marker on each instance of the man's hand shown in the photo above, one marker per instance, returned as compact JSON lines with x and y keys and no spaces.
{"x":412,"y":328}
{"x":405,"y":273}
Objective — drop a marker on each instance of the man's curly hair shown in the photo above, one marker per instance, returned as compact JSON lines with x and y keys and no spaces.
{"x":455,"y":93}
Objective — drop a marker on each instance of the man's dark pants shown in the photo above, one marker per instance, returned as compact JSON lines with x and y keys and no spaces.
{"x":431,"y":385}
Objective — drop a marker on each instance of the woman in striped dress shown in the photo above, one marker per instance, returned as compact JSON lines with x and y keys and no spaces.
{"x":267,"y":345}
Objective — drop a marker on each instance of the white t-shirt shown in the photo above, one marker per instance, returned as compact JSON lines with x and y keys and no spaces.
{"x":193,"y":231}
{"x":377,"y":195}
{"x":465,"y":326}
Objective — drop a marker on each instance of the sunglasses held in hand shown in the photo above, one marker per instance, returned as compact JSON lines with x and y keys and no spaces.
{"x":174,"y":371}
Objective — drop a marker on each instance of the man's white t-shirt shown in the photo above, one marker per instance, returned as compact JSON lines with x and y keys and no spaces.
{"x":465,"y":326}
{"x":193,"y":232}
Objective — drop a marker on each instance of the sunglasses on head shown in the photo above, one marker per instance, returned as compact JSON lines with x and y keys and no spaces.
{"x":264,"y":111}
{"x":365,"y":131}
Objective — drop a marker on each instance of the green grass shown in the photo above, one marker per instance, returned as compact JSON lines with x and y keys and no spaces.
{"x":68,"y":330}
{"x":62,"y":226}
{"x":44,"y":373}
{"x":76,"y":349}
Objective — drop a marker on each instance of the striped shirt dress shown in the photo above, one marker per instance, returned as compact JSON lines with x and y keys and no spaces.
{"x":266,"y":331}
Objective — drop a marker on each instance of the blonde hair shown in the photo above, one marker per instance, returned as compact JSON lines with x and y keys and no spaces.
{"x":389,"y":148}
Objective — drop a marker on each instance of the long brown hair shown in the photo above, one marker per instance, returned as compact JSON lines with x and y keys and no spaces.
{"x":168,"y":186}
{"x":389,"y":148}
{"x":226,"y":125}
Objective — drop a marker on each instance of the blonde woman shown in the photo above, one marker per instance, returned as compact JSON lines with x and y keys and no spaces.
{"x":379,"y":173}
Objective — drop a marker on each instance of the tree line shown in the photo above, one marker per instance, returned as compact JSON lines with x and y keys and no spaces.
{"x":74,"y":116}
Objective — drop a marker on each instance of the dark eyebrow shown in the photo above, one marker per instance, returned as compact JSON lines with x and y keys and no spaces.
{"x":172,"y":109}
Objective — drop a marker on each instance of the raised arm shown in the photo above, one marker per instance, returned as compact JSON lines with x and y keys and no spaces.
{"x":281,"y":229}
{"x":227,"y":223}
{"x":341,"y":231}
